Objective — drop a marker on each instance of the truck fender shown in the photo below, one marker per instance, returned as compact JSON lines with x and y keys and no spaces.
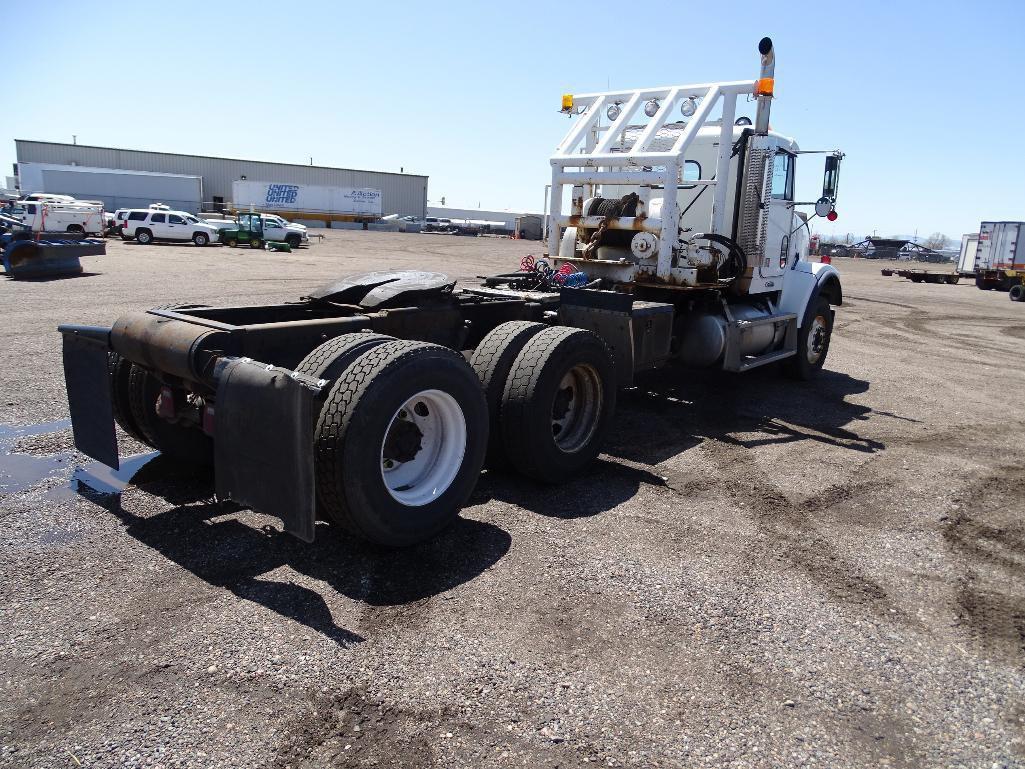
{"x":804,"y":283}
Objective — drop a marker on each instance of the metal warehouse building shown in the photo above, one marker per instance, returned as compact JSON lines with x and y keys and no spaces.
{"x":403,"y":194}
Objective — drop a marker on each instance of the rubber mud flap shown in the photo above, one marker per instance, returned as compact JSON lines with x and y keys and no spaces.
{"x":89,"y":400}
{"x":263,"y":442}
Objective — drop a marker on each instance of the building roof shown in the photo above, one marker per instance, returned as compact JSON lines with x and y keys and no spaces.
{"x":216,"y":157}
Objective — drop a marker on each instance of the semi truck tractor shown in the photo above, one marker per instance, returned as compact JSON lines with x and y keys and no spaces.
{"x":374,"y":402}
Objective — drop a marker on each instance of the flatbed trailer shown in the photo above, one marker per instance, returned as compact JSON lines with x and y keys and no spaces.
{"x":374,"y":402}
{"x":916,"y":275}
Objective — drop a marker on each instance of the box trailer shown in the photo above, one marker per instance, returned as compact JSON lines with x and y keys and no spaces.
{"x":969,"y":250}
{"x":999,"y":263}
{"x":307,"y":201}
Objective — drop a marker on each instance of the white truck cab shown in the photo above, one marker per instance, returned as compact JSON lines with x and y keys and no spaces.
{"x":698,"y":213}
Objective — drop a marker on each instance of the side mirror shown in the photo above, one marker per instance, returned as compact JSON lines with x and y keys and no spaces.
{"x":831,"y":177}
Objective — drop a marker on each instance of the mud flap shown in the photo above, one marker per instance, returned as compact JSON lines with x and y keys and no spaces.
{"x":263,"y":441}
{"x":88,"y":384}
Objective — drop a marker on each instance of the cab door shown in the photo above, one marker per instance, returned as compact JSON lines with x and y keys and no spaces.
{"x":779,"y":250}
{"x":272,"y":229}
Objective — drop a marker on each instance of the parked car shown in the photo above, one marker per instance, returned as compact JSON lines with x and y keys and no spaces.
{"x":435,"y":224}
{"x":147,"y":225}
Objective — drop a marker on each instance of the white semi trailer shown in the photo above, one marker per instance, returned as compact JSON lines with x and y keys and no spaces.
{"x":999,"y":262}
{"x":375,"y":401}
{"x":307,"y":201}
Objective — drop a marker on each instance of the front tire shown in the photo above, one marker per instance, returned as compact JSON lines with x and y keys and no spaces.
{"x":812,"y":342}
{"x":294,"y":241}
{"x":400,"y":442}
{"x":1017,"y":293}
{"x":200,"y":238}
{"x":558,"y":403}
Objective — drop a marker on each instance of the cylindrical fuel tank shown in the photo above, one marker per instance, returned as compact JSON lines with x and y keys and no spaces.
{"x":161,"y":344}
{"x":701,"y":336}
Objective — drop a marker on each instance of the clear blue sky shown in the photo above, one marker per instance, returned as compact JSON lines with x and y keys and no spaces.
{"x":924,"y":97}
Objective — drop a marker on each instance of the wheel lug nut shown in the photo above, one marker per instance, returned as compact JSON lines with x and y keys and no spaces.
{"x":403,"y":414}
{"x":388,"y":464}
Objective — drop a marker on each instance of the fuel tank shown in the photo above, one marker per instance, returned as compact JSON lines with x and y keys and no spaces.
{"x":701,"y":336}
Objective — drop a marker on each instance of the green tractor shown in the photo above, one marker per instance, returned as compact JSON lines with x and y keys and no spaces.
{"x":248,"y":229}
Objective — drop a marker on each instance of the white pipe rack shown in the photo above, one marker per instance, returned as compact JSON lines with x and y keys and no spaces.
{"x":597,"y":163}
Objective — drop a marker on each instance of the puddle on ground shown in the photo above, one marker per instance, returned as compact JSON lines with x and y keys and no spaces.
{"x":20,"y":472}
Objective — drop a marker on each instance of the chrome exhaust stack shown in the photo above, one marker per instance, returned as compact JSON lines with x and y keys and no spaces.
{"x":764,"y":86}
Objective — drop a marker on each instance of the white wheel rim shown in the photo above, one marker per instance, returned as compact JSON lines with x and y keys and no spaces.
{"x":577,"y":407}
{"x":816,"y":339}
{"x":417,"y":469}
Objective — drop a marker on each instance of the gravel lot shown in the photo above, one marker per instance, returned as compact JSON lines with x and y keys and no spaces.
{"x":758,"y":573}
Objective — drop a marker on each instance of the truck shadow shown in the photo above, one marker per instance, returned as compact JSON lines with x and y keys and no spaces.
{"x":206,"y":538}
{"x":673,"y":410}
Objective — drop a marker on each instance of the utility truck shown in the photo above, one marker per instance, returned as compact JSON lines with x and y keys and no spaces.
{"x":374,"y":402}
{"x":86,"y":217}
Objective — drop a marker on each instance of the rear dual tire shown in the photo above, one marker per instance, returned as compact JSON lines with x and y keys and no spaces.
{"x":400,"y":441}
{"x":183,"y":443}
{"x":551,"y":393}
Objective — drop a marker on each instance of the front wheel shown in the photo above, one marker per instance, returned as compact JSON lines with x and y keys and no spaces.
{"x":400,"y":442}
{"x":200,"y":238}
{"x":293,"y":241}
{"x":1017,"y":293}
{"x":812,"y":342}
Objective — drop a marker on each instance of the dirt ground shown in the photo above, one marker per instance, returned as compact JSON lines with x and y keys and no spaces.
{"x":758,"y":573}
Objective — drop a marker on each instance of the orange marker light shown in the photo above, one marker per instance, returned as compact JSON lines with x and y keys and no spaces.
{"x":764,"y":86}
{"x":567,"y":102}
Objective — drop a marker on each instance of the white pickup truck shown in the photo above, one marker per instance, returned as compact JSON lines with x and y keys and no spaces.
{"x":278,"y":229}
